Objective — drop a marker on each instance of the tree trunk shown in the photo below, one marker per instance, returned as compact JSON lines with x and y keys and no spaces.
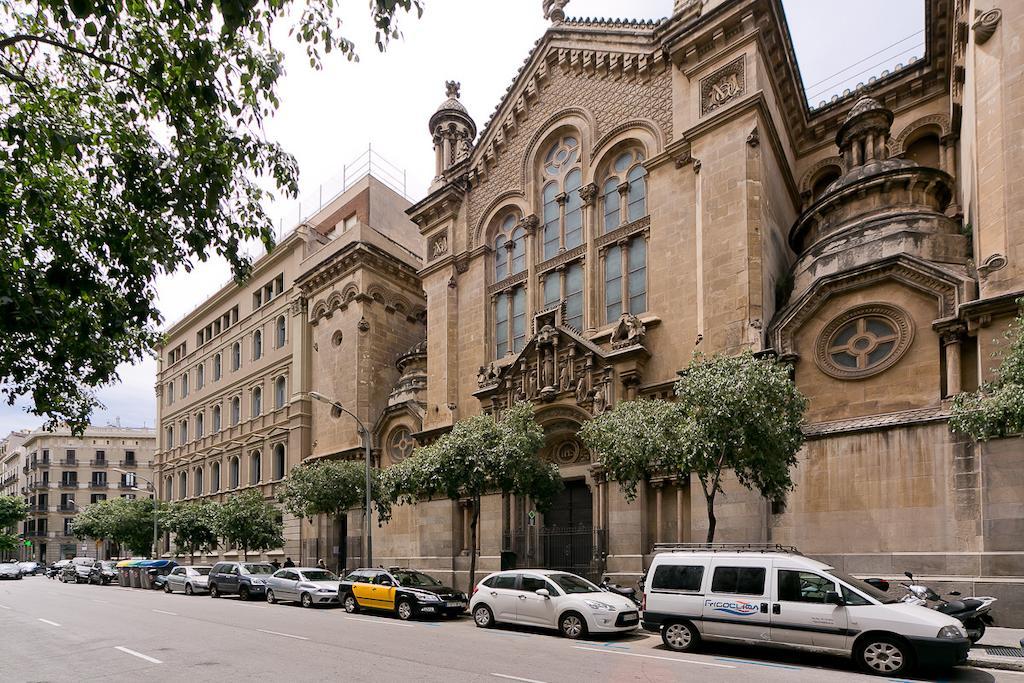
{"x":245,"y":553}
{"x":472,"y":543}
{"x":712,"y":521}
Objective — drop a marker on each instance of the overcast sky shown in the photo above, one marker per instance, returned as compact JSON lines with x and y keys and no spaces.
{"x":329,"y":117}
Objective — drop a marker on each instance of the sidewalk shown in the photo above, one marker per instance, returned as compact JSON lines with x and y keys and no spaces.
{"x":996,"y":650}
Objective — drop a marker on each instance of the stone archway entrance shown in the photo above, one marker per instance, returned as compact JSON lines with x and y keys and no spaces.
{"x":567,"y":538}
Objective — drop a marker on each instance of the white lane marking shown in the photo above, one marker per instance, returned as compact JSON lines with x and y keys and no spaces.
{"x":4,"y":607}
{"x":381,"y":622}
{"x":101,"y":601}
{"x":51,"y":623}
{"x":667,"y":659}
{"x":149,"y":659}
{"x":173,"y":614}
{"x":517,"y":678}
{"x":286,"y":635}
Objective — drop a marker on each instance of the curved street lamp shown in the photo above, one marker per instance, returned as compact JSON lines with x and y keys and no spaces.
{"x":336,"y":410}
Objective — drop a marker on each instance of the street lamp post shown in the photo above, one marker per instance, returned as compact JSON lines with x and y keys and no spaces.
{"x":151,"y":489}
{"x":339,"y":409}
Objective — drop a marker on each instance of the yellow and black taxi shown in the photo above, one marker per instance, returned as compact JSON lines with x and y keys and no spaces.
{"x":405,"y":592}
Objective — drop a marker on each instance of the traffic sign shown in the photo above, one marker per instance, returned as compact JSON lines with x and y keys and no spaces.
{"x":28,"y":544}
{"x":532,"y":517}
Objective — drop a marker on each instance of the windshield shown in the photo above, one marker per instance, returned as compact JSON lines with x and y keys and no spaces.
{"x":202,"y":571}
{"x":319,"y":575}
{"x":7,"y":565}
{"x":570,"y":584}
{"x":411,"y":578}
{"x":258,"y":568}
{"x":108,"y":565}
{"x":865,"y":588}
{"x":83,"y":561}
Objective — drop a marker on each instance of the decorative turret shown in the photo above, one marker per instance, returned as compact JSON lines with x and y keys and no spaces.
{"x":453,"y":130}
{"x":862,"y":143}
{"x":412,"y":385}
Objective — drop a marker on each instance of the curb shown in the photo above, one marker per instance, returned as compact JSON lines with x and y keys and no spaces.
{"x":1000,"y":665}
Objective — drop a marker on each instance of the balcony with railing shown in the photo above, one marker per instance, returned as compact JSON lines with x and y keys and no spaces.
{"x":66,"y":484}
{"x":40,"y":462}
{"x":98,"y":484}
{"x":99,"y":462}
{"x":37,"y":485}
{"x":67,"y":507}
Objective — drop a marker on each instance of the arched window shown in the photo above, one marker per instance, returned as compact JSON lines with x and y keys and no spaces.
{"x":566,"y":283}
{"x":236,"y":356}
{"x":280,"y":331}
{"x":510,"y":321}
{"x":625,"y":279}
{"x":255,"y":467}
{"x":828,"y":176}
{"x":197,"y":482}
{"x":170,"y":436}
{"x":257,"y":345}
{"x":170,"y":392}
{"x":183,"y":485}
{"x":925,"y":150}
{"x":216,"y":419}
{"x":625,"y":187}
{"x":200,"y":426}
{"x":215,"y":477}
{"x":236,"y":410}
{"x":280,"y":392}
{"x":257,"y":402}
{"x":184,"y":385}
{"x":168,"y":488}
{"x":200,"y":375}
{"x":509,"y":248}
{"x":560,"y":195}
{"x":216,"y":367}
{"x":183,"y":431}
{"x":279,"y":461}
{"x":233,"y":473}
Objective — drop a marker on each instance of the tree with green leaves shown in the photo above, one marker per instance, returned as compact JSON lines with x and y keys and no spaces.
{"x":12,"y":510}
{"x":126,"y":522}
{"x":249,"y":522}
{"x":740,"y":413}
{"x":480,"y":455}
{"x":996,"y":409}
{"x":193,"y":525}
{"x":131,"y":145}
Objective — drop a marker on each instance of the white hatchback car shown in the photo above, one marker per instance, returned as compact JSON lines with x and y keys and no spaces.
{"x":551,"y":599}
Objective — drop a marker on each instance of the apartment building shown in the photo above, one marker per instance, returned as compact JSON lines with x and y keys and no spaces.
{"x":11,"y":467}
{"x":65,"y":473}
{"x":331,"y":308}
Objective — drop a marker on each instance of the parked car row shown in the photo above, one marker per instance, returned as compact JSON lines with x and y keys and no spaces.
{"x":10,"y":569}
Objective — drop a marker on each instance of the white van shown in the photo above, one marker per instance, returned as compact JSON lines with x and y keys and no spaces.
{"x":772,"y":595}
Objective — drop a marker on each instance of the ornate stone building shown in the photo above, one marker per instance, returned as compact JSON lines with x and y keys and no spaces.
{"x":643,"y":190}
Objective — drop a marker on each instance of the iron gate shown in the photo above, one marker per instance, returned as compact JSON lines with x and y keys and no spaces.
{"x":577,"y":549}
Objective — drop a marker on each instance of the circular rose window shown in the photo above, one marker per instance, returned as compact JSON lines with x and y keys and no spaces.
{"x":864,"y":341}
{"x":401,"y":444}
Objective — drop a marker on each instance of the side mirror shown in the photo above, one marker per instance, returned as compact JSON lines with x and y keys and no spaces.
{"x":833,"y":598}
{"x":880,"y":584}
{"x":543,"y":592}
{"x":954,"y":592}
{"x":908,"y":575}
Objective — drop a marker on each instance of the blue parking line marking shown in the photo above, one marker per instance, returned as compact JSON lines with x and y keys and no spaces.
{"x":509,"y":633}
{"x":747,"y":661}
{"x":430,"y":625}
{"x":607,"y":645}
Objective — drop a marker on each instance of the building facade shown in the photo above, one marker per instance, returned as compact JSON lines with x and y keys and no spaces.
{"x":66,"y":473}
{"x":647,"y":190}
{"x":336,"y":308}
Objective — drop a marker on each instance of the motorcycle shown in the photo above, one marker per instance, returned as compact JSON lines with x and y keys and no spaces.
{"x":624,"y":591}
{"x":972,"y":612}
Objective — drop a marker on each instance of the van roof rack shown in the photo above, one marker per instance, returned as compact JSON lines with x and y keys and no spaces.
{"x":728,"y":547}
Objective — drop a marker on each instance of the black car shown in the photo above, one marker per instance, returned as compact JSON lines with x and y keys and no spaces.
{"x":405,"y":592}
{"x":103,"y":572}
{"x":77,"y":571}
{"x":247,"y":579}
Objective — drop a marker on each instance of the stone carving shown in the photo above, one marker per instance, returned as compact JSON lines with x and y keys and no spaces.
{"x":991,"y":264}
{"x":629,"y":331}
{"x":452,"y":89}
{"x":563,"y":378}
{"x":754,"y":139}
{"x":985,"y":25}
{"x":439,"y":245}
{"x":696,"y":166}
{"x":722,"y":86}
{"x":881,"y":334}
{"x":364,"y":324}
{"x":600,"y":400}
{"x":487,"y":375}
{"x":554,"y":10}
{"x":569,"y":453}
{"x":581,"y":390}
{"x":587,"y":193}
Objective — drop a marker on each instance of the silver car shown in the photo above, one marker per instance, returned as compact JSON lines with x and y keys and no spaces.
{"x":10,"y":570}
{"x":190,"y":580}
{"x":306,"y":585}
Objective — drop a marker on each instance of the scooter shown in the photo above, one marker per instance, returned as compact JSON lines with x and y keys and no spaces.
{"x":972,"y":612}
{"x":624,"y":591}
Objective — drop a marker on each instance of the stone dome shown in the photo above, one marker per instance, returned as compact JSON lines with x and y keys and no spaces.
{"x":452,"y":110}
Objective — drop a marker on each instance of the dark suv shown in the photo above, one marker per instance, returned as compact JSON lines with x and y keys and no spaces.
{"x":247,"y":579}
{"x":103,"y":572}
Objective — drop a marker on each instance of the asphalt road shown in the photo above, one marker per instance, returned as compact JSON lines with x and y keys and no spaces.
{"x":51,"y":631}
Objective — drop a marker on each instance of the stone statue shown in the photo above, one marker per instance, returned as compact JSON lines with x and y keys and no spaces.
{"x":599,"y":399}
{"x":452,"y":88}
{"x":531,"y":383}
{"x":547,"y":372}
{"x":581,"y":390}
{"x":630,"y":330}
{"x":481,"y":376}
{"x":554,"y":10}
{"x":563,"y":378}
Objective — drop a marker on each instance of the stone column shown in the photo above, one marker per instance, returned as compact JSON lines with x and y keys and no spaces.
{"x":467,"y":517}
{"x":679,"y":511}
{"x":533,"y":294}
{"x":951,"y":347}
{"x":590,"y":273}
{"x":658,"y":485}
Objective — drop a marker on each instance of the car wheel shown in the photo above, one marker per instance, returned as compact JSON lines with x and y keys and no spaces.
{"x":351,"y":606}
{"x":680,"y":636}
{"x":976,"y":631}
{"x":188,"y":589}
{"x":306,"y":600}
{"x":243,"y":593}
{"x":404,"y":610}
{"x":270,"y":597}
{"x":483,"y":616}
{"x":572,"y":625}
{"x":883,"y":656}
{"x":214,"y":591}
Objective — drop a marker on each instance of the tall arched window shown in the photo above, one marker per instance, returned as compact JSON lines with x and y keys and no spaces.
{"x":236,"y":410}
{"x":215,"y":477}
{"x":625,"y":279}
{"x":280,"y":392}
{"x":566,"y":283}
{"x":216,"y":419}
{"x":510,"y":321}
{"x":183,"y":431}
{"x":184,"y":385}
{"x":560,"y":195}
{"x":197,"y":482}
{"x":257,"y":402}
{"x":257,"y":345}
{"x":279,"y":461}
{"x":625,"y":188}
{"x":200,"y":375}
{"x":168,"y":488}
{"x":183,"y":485}
{"x":255,"y":467}
{"x":169,"y":437}
{"x":280,"y":331}
{"x":216,"y":367}
{"x":200,"y":425}
{"x":236,"y":356}
{"x":233,"y":473}
{"x":509,"y":248}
